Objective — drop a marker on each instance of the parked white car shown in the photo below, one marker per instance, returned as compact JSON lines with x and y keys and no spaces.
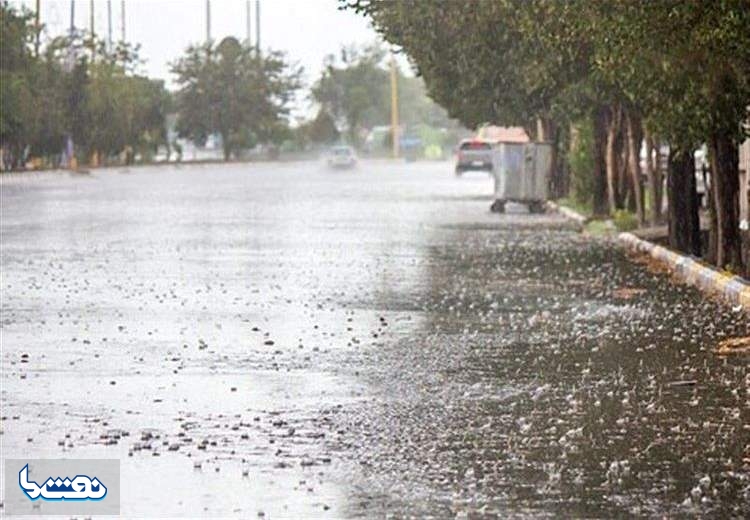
{"x":341,"y":157}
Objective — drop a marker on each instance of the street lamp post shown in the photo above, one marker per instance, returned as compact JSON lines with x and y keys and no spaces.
{"x":257,"y":26}
{"x":248,"y":23}
{"x":122,"y":21}
{"x":37,"y":29}
{"x":208,"y":21}
{"x":109,"y":25}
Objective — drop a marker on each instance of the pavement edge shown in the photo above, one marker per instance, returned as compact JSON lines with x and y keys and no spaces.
{"x":733,"y":289}
{"x":567,"y":212}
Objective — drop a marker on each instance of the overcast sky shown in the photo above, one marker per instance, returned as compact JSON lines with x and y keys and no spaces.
{"x":307,"y":30}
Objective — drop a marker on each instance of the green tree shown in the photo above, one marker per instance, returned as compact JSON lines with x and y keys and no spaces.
{"x":17,"y":64}
{"x":684,"y":67}
{"x":353,"y":89}
{"x":676,"y":69}
{"x":233,"y":90}
{"x":488,"y":61}
{"x":322,"y":129}
{"x":75,"y":86}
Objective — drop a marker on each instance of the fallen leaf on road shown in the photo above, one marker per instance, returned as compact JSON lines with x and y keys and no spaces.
{"x":688,"y":382}
{"x":627,"y":293}
{"x":734,"y":346}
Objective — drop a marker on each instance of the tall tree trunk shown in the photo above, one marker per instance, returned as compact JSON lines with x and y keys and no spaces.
{"x":660,"y":174}
{"x":226,"y":145}
{"x":600,"y":206}
{"x":634,"y":163}
{"x":725,"y":179}
{"x":624,"y":189}
{"x":682,"y":197}
{"x":612,"y":159}
{"x":652,"y":175}
{"x":563,"y":149}
{"x":710,"y":195}
{"x":532,"y":129}
{"x":540,"y":133}
{"x":547,"y":131}
{"x":627,"y":190}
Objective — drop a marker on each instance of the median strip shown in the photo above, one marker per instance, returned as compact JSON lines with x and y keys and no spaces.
{"x":730,"y":288}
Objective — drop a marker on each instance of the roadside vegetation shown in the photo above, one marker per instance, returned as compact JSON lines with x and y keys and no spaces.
{"x":354,"y":92}
{"x":231,"y":89}
{"x":74,"y":95}
{"x":75,"y":100}
{"x":601,"y":80}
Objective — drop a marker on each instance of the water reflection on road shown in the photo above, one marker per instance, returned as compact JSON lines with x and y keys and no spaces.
{"x":299,"y":342}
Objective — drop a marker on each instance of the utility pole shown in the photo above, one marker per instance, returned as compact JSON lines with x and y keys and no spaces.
{"x":208,"y":21}
{"x":248,"y":22}
{"x":109,"y":25}
{"x":72,"y":17}
{"x":257,"y":25}
{"x":122,"y":21}
{"x":394,"y":107}
{"x":38,"y":29}
{"x":93,"y":31}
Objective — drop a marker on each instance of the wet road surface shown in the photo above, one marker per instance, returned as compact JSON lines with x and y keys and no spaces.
{"x":289,"y":341}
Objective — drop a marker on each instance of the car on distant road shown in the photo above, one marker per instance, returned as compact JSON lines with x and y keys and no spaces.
{"x":474,"y":155}
{"x":341,"y":156}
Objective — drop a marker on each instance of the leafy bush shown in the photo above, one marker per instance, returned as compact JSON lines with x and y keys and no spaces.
{"x":625,"y":220}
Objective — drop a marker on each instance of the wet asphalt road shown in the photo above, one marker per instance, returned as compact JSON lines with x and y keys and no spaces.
{"x":291,"y":341}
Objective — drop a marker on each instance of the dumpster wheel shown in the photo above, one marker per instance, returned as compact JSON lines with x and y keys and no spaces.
{"x":536,"y":206}
{"x":498,"y":206}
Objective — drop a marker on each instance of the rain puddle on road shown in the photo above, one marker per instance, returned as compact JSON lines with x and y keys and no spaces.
{"x":537,"y":385}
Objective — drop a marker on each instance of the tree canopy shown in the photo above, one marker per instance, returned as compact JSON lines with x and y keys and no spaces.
{"x":231,"y":89}
{"x":75,"y":87}
{"x":675,"y":69}
{"x":354,"y":90}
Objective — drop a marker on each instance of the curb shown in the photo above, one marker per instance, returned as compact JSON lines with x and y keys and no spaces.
{"x":568,"y":213}
{"x":733,"y":289}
